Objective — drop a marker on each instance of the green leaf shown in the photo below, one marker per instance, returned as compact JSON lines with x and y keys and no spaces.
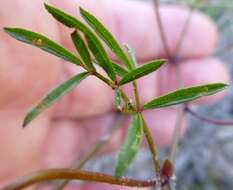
{"x":142,"y":71}
{"x":132,"y":56}
{"x":54,"y":96}
{"x":118,"y":99}
{"x":101,"y":56}
{"x":94,"y":43}
{"x":185,"y":95}
{"x":130,"y":147}
{"x":82,"y":49}
{"x":43,"y":43}
{"x":61,"y":16}
{"x":119,"y":70}
{"x":106,"y":36}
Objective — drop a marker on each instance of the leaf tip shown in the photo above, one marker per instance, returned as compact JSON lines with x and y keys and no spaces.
{"x":7,"y":29}
{"x":46,"y":5}
{"x":25,"y":122}
{"x":163,"y":61}
{"x":225,"y":85}
{"x":82,"y":11}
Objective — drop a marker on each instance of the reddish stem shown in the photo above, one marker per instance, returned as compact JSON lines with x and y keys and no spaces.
{"x":71,"y":174}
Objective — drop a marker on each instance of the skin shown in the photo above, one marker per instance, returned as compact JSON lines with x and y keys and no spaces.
{"x":60,"y":135}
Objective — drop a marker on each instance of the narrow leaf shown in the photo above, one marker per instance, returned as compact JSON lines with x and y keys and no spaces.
{"x":130,"y":147}
{"x":94,"y":43}
{"x":119,"y":70}
{"x":43,"y":43}
{"x":61,"y":16}
{"x":118,"y":99}
{"x":132,"y":56}
{"x":54,"y":96}
{"x":185,"y":95}
{"x":82,"y":49}
{"x":106,"y":36}
{"x":101,"y":56}
{"x":142,"y":71}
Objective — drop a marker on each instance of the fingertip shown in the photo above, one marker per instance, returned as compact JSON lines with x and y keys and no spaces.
{"x":200,"y":37}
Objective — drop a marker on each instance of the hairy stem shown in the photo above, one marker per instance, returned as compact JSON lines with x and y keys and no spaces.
{"x":72,"y":174}
{"x":137,"y":97}
{"x":104,"y":79}
{"x":152,"y":146}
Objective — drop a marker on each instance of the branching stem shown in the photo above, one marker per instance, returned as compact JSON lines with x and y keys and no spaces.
{"x":146,"y":129}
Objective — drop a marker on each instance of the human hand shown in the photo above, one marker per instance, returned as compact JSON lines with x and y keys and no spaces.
{"x":60,"y":135}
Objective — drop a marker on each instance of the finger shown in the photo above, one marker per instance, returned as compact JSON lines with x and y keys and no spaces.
{"x":194,"y":72}
{"x":21,"y":70}
{"x":80,"y":137}
{"x":20,"y":149}
{"x":134,"y":23}
{"x":92,"y":97}
{"x":22,"y":66}
{"x":162,"y":124}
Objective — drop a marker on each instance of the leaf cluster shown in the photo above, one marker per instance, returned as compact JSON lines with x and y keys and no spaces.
{"x":89,"y":39}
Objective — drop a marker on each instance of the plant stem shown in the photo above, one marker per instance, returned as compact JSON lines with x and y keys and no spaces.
{"x":134,"y":61}
{"x":137,"y":97}
{"x":72,"y":174}
{"x":116,"y":124}
{"x":104,"y":79}
{"x":152,"y":146}
{"x":146,"y":130}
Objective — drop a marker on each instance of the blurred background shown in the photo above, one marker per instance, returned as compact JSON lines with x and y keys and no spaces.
{"x":205,"y":156}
